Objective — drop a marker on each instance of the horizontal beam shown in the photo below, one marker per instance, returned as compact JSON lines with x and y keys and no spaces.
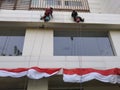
{"x":61,"y":20}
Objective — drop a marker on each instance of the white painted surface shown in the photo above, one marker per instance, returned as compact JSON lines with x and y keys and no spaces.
{"x":38,"y":51}
{"x":115,"y":37}
{"x":98,"y":62}
{"x":38,"y":46}
{"x":104,"y":6}
{"x":59,"y":17}
{"x":38,"y":42}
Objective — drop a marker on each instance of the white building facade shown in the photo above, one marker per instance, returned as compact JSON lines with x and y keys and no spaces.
{"x":26,"y":41}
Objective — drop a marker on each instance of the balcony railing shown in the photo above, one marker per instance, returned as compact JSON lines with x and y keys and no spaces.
{"x":80,"y":5}
{"x":15,"y":4}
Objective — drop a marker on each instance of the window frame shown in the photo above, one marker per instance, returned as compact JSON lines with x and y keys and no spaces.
{"x":41,"y":4}
{"x":73,"y":50}
{"x":12,"y":42}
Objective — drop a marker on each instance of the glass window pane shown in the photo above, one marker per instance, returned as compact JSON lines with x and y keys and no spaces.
{"x":9,"y":1}
{"x":63,"y":46}
{"x":73,"y":3}
{"x":7,"y":4}
{"x":81,"y":5}
{"x":11,"y":42}
{"x":53,"y":2}
{"x":74,"y":43}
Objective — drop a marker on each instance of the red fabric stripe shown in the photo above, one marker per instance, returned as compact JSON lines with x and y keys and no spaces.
{"x":17,"y":70}
{"x":46,"y":70}
{"x":79,"y":71}
{"x":42,"y":70}
{"x":82,"y":71}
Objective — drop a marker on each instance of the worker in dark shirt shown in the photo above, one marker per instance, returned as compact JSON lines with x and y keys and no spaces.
{"x":75,"y":17}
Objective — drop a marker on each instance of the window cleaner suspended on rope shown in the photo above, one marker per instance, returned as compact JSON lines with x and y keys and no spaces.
{"x":76,"y":18}
{"x":47,"y":15}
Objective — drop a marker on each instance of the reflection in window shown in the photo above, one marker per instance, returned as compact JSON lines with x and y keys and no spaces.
{"x":10,"y":1}
{"x":53,"y":2}
{"x":73,"y":3}
{"x":11,"y":42}
{"x":35,"y":3}
{"x":7,"y":4}
{"x":82,"y":43}
{"x":81,"y":5}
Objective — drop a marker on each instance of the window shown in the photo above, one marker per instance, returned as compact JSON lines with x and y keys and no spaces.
{"x":53,"y":2}
{"x":15,"y":4}
{"x":11,"y":42}
{"x":9,"y":1}
{"x":7,"y":4}
{"x":82,"y":43}
{"x":45,"y":3}
{"x":80,"y":5}
{"x":73,"y":3}
{"x":35,"y":3}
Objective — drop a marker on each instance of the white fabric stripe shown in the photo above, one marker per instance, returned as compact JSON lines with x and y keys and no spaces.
{"x":87,"y":77}
{"x":33,"y":74}
{"x":12,"y":74}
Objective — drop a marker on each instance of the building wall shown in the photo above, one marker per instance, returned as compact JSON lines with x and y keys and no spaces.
{"x":38,"y":42}
{"x":38,"y":46}
{"x":38,"y":51}
{"x":115,"y":35}
{"x":104,"y":6}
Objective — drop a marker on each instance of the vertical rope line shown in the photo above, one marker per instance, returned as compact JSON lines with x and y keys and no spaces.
{"x":26,"y":80}
{"x":72,"y":45}
{"x":80,"y":59}
{"x":25,"y":84}
{"x":39,"y":57}
{"x":5,"y":44}
{"x":32,"y":48}
{"x":34,"y":37}
{"x":98,"y":46}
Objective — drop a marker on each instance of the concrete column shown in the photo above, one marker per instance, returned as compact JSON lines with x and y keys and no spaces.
{"x":38,"y":42}
{"x":115,"y":39}
{"x":41,"y":84}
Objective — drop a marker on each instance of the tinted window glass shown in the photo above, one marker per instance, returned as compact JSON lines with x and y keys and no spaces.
{"x":73,"y":3}
{"x":11,"y":42}
{"x":82,"y":43}
{"x":53,"y":2}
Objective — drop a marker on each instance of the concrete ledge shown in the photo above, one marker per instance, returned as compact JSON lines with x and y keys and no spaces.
{"x":98,"y":62}
{"x":21,"y":18}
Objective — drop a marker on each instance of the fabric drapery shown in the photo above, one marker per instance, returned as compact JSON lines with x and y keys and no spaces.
{"x":33,"y":72}
{"x":75,"y":75}
{"x":80,"y":75}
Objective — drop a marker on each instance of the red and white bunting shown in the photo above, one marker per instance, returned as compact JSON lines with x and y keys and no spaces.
{"x":33,"y":72}
{"x":38,"y":73}
{"x":18,"y":72}
{"x":86,"y":74}
{"x":77,"y":75}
